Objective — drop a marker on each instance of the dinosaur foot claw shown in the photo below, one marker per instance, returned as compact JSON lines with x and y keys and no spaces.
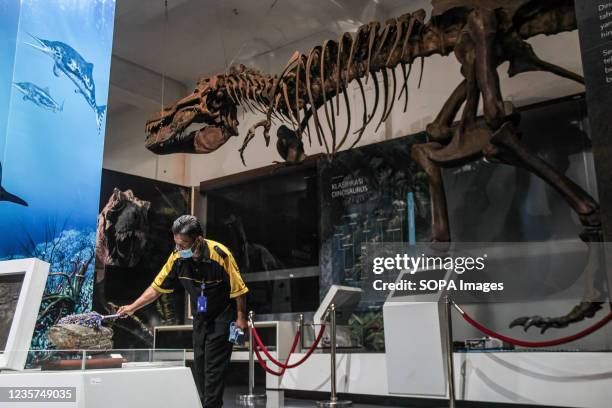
{"x":580,"y":312}
{"x":520,"y":321}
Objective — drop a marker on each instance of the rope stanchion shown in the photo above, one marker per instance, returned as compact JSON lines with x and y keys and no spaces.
{"x":534,"y":344}
{"x":263,"y":363}
{"x":310,"y":350}
{"x":251,"y":399}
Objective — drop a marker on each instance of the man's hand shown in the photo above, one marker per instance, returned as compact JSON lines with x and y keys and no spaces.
{"x":147,"y":297}
{"x":241,"y":321}
{"x":126,"y":310}
{"x":242,"y":324}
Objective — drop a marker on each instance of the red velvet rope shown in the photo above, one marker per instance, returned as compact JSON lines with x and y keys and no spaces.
{"x":312,"y":348}
{"x":537,"y":344}
{"x":259,"y":345}
{"x":263,"y":363}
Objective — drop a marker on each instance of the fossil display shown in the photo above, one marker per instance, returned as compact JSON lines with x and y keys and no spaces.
{"x":78,"y":337}
{"x":482,"y":34}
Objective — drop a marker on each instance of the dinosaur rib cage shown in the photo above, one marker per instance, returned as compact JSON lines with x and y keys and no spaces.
{"x":314,"y":80}
{"x":318,"y":79}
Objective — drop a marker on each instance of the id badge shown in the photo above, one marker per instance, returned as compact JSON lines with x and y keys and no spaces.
{"x":202,"y":302}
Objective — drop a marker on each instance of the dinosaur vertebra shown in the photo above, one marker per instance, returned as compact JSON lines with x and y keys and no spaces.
{"x":306,"y":84}
{"x":482,"y":34}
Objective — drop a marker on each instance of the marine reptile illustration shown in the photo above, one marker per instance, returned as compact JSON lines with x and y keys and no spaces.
{"x":40,"y":96}
{"x":69,"y":62}
{"x":482,"y":34}
{"x":6,"y":196}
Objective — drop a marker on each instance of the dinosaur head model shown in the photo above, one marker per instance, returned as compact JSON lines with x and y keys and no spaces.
{"x":212,"y":105}
{"x":123,"y":227}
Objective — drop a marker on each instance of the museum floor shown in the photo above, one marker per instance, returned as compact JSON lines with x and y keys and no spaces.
{"x":229,"y":400}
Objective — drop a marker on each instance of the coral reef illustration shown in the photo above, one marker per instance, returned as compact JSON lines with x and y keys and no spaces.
{"x":69,"y":288}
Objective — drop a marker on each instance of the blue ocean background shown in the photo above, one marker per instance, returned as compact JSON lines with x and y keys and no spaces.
{"x":9,"y":23}
{"x":52,"y":160}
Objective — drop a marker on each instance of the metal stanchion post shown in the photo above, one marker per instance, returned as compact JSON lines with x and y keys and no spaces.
{"x":450,"y":364}
{"x":301,"y":327}
{"x":251,"y":399}
{"x":333,"y":401}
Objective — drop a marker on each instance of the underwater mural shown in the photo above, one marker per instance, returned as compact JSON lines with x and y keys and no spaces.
{"x":6,"y":196}
{"x":67,"y":61}
{"x":52,"y":121}
{"x":39,"y":96}
{"x":9,"y":22}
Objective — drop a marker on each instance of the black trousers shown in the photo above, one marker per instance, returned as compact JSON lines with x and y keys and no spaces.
{"x":211,"y":354}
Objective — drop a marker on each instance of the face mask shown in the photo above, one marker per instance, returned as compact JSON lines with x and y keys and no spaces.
{"x":186,"y":253}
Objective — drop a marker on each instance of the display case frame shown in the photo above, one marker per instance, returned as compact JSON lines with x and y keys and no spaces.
{"x":35,"y":272}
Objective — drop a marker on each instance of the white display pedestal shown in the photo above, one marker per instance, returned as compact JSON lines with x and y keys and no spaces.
{"x":419,"y":368}
{"x":561,"y":379}
{"x":128,"y":387}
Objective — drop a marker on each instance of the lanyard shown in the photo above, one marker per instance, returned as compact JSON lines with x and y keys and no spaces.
{"x":202,"y":301}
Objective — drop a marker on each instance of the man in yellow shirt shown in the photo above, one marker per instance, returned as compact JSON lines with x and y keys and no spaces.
{"x":208,"y":272}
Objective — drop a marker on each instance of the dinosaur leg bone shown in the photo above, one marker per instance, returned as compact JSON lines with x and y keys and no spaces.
{"x":507,"y":146}
{"x":523,"y":58}
{"x":595,"y":280}
{"x":421,"y":153}
{"x":482,"y":29}
{"x":514,"y":152}
{"x":265,"y":123}
{"x":439,"y":129}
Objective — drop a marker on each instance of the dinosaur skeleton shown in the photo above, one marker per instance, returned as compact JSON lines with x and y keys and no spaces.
{"x":482,"y":34}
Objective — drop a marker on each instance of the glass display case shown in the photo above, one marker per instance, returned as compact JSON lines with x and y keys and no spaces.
{"x":269,"y":220}
{"x":100,"y":379}
{"x":378,"y":194}
{"x":57,"y":360}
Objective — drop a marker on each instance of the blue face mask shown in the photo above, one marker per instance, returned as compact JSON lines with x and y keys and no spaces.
{"x":186,"y":253}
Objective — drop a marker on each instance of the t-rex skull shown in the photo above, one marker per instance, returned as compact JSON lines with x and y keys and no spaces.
{"x":210,"y":104}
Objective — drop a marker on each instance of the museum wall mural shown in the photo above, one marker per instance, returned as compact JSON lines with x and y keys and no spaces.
{"x":54,"y":77}
{"x":133,"y":243}
{"x":9,"y":20}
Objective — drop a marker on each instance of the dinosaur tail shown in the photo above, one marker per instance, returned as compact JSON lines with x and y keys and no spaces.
{"x":100,"y":112}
